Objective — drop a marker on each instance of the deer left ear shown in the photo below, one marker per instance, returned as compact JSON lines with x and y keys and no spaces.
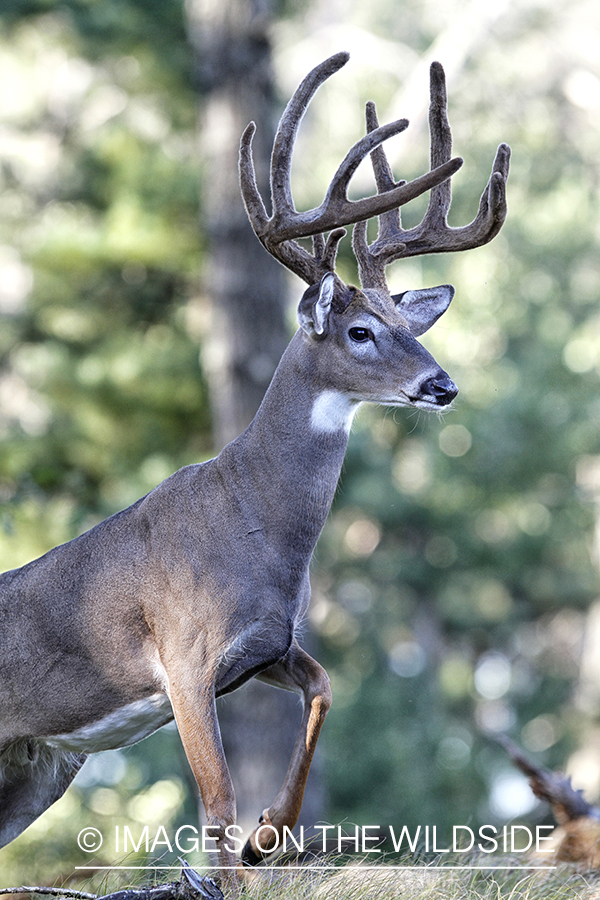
{"x":315,"y":305}
{"x":422,"y":308}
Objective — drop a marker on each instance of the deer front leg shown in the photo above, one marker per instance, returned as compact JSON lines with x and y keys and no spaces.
{"x":298,"y":672}
{"x":196,"y":717}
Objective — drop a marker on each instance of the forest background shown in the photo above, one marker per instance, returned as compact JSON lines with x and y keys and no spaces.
{"x":456,"y":584}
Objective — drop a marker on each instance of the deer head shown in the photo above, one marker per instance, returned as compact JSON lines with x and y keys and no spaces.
{"x":363,"y":321}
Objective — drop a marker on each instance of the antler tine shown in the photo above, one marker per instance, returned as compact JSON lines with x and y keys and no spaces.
{"x":285,"y":137}
{"x":492,"y":206}
{"x":292,"y":255}
{"x":255,"y":207}
{"x":389,"y":222}
{"x":326,"y":252}
{"x":372,"y":268}
{"x":440,"y":145}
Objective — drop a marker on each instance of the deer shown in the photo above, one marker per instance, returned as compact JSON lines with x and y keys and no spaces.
{"x":203,"y":583}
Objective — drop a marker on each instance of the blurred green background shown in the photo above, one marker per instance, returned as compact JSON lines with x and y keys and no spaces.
{"x":456,"y":584}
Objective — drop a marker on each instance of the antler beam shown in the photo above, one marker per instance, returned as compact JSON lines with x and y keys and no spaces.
{"x":278,"y":231}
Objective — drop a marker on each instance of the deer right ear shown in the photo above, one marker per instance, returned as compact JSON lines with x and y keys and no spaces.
{"x":315,"y":305}
{"x":423,"y":307}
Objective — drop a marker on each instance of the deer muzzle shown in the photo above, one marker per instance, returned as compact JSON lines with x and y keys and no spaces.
{"x":439,"y":389}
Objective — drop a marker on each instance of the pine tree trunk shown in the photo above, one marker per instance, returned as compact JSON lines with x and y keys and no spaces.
{"x":247,"y":289}
{"x":246,"y":286}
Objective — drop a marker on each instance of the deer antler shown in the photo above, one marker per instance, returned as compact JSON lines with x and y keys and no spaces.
{"x":278,"y":231}
{"x":433,"y":234}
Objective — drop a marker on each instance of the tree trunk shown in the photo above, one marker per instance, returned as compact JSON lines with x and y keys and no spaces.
{"x":246,"y":286}
{"x":247,"y":289}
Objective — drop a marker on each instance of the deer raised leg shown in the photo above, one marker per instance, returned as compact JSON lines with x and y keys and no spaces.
{"x":297,"y":672}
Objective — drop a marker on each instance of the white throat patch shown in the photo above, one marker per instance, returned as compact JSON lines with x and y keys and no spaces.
{"x":333,"y":411}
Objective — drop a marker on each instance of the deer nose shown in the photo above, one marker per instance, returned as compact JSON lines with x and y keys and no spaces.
{"x":441,"y":387}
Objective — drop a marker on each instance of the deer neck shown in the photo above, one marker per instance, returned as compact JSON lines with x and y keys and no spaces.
{"x":291,"y":454}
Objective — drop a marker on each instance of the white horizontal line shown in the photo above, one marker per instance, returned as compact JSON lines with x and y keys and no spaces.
{"x":340,"y":869}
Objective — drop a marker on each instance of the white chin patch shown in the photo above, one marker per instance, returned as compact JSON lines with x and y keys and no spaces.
{"x":333,"y":411}
{"x":427,"y":404}
{"x":406,"y":402}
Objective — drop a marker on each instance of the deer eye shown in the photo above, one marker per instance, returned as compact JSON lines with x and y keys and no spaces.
{"x":360,"y":335}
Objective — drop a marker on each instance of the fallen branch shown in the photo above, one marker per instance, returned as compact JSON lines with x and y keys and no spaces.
{"x":191,"y":887}
{"x":54,"y":891}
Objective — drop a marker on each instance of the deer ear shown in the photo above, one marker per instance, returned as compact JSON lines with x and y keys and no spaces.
{"x":314,"y":307}
{"x":422,"y":308}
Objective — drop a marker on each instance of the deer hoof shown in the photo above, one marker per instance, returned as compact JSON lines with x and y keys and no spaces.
{"x":249,"y":856}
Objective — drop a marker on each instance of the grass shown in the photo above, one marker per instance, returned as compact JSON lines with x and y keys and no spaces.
{"x":428,"y":883}
{"x":356,"y":881}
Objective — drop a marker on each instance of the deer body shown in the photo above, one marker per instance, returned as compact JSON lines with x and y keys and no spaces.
{"x":202,"y":584}
{"x":211,"y":566}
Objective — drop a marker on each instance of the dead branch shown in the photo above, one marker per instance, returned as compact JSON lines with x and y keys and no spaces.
{"x":576,"y":839}
{"x":567,"y":803}
{"x":191,"y":887}
{"x":53,"y":891}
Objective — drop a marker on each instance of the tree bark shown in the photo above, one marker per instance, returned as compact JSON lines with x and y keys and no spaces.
{"x":247,"y":290}
{"x":246,"y":286}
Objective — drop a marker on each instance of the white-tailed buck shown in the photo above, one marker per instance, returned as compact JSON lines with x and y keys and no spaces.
{"x":202,"y":584}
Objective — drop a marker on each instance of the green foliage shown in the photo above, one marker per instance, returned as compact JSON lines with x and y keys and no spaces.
{"x":152,"y":29}
{"x":103,"y":392}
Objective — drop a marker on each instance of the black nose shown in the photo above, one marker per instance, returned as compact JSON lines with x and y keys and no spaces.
{"x":441,"y":387}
